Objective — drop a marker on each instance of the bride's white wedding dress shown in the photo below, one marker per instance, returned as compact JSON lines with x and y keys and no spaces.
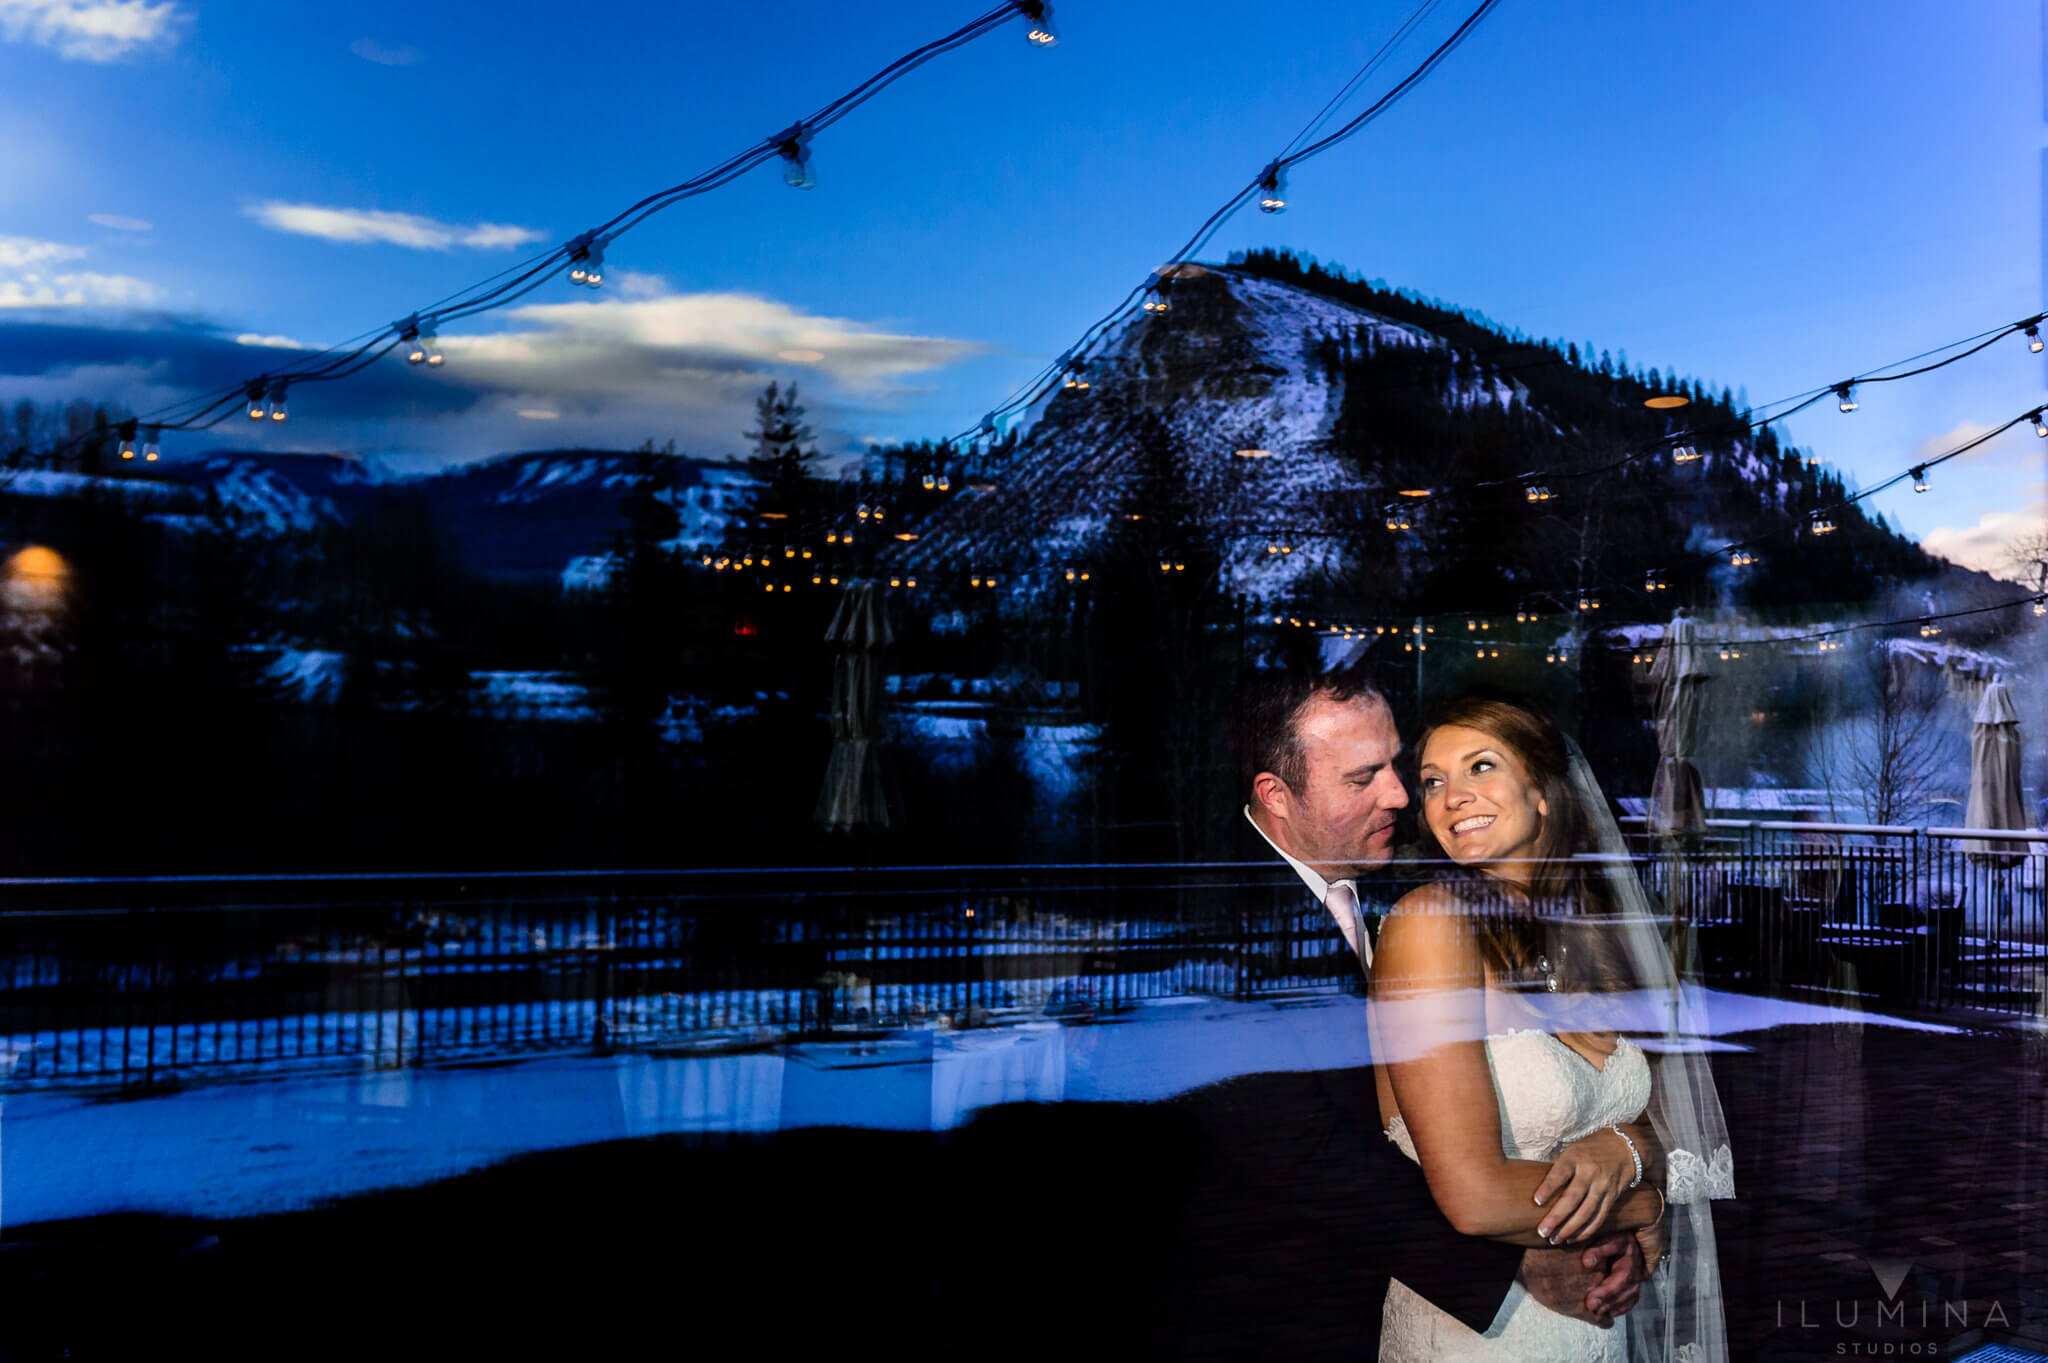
{"x":1549,"y":1096}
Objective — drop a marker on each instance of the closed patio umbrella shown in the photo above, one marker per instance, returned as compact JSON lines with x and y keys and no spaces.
{"x":1995,"y":778}
{"x":1677,"y":804}
{"x":852,"y":796}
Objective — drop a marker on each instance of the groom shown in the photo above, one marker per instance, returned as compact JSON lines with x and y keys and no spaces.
{"x":1318,"y":756}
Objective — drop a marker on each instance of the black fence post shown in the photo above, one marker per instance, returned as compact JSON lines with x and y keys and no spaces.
{"x":607,"y":918}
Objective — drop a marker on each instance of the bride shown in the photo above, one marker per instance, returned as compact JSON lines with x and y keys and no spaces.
{"x":1503,"y":999}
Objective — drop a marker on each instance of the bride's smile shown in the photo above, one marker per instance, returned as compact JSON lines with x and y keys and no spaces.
{"x":1478,"y":800}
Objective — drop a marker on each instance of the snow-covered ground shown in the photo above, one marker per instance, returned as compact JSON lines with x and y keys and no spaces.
{"x":277,"y":1143}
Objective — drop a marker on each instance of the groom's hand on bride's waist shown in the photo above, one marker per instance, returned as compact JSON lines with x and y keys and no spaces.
{"x":1594,"y":1282}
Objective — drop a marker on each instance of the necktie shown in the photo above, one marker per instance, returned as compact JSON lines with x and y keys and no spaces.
{"x":1342,"y":900}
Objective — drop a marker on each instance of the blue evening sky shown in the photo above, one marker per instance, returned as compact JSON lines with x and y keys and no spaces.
{"x":1766,"y":195}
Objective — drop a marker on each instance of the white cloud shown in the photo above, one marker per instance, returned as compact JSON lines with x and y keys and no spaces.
{"x":81,"y":289}
{"x":361,"y":225}
{"x":370,"y":50}
{"x":252,"y":338}
{"x":118,"y":222}
{"x":1986,"y":545}
{"x":19,"y":253}
{"x":92,"y":30}
{"x":689,"y":347}
{"x":26,"y":281}
{"x":540,"y":414}
{"x":1962,"y":433}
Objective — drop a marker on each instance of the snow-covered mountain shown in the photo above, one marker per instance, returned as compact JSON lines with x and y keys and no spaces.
{"x":1248,"y":406}
{"x":1280,"y":423}
{"x":520,"y":517}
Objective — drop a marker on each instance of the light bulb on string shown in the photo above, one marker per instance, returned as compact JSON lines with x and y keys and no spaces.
{"x":1076,"y":380}
{"x":1039,"y":15}
{"x":418,"y":338}
{"x":127,"y":439}
{"x":2034,"y":337}
{"x":2039,"y":416}
{"x":586,"y":259}
{"x":931,"y":483}
{"x":1156,"y":290}
{"x":1272,"y":189}
{"x":152,"y":449}
{"x":2041,"y":605}
{"x":1683,"y":453}
{"x":275,"y":396}
{"x":253,"y":390}
{"x":945,"y":483}
{"x":1920,"y":478}
{"x":793,"y":145}
{"x":1845,"y":396}
{"x":1821,"y":525}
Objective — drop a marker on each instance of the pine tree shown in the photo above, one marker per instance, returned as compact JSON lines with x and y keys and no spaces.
{"x":780,"y":464}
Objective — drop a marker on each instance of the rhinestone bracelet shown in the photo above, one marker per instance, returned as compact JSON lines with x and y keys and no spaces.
{"x":1633,"y":1154}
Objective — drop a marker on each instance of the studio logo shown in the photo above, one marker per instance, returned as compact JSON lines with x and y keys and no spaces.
{"x":1891,"y":1325}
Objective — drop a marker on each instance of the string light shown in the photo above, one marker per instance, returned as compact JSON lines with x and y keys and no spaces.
{"x":1536,"y":492}
{"x":794,"y":147}
{"x":1654,"y":581}
{"x":1845,"y":396}
{"x":1821,"y":524}
{"x":1919,"y":478}
{"x":1929,"y":629}
{"x":253,"y":391}
{"x":419,"y":342}
{"x":586,"y":260}
{"x":1040,"y":34}
{"x":1272,"y":190}
{"x":2034,"y":337}
{"x":127,"y":440}
{"x":2039,"y":416}
{"x":1076,"y":381}
{"x":2041,"y":605}
{"x":1397,"y":517}
{"x":1155,"y":295}
{"x":1684,"y":454}
{"x":152,"y":449}
{"x":1740,"y":558}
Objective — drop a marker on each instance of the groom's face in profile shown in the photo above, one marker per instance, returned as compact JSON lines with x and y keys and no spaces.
{"x":1342,"y":817}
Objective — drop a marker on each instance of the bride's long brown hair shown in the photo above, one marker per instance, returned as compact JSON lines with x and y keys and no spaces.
{"x":1564,"y":897}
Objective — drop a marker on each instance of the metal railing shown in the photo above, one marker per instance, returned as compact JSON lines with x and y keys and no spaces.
{"x":146,"y":981}
{"x":1912,"y":916}
{"x":139,"y":981}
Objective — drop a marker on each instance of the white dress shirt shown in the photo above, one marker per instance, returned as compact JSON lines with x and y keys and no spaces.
{"x":1321,"y":888}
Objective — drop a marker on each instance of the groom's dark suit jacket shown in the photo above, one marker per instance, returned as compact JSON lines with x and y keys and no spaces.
{"x":1296,"y":1208}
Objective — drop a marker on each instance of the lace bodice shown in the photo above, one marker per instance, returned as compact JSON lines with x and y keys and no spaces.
{"x":1549,"y":1096}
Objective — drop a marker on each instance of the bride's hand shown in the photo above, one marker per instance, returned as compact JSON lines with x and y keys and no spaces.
{"x":1585,"y":1181}
{"x":1655,"y":1239}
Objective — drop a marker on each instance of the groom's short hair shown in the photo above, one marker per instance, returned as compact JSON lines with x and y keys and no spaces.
{"x":1269,"y":707}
